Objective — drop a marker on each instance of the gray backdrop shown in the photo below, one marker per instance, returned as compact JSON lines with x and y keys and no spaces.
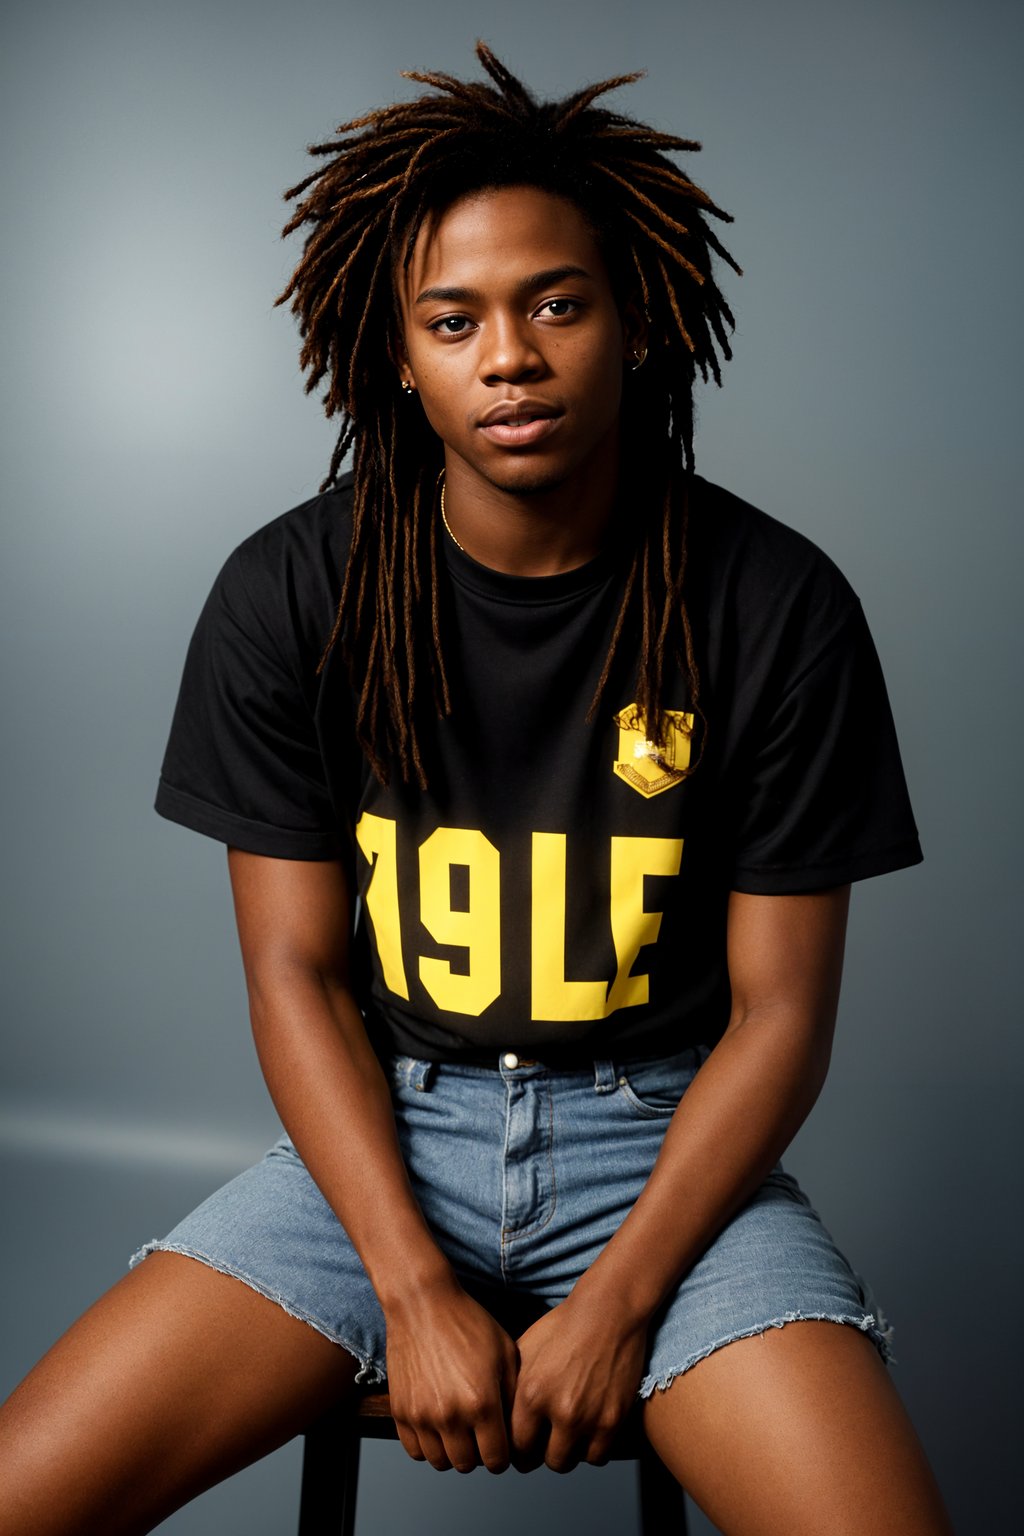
{"x":153,"y":415}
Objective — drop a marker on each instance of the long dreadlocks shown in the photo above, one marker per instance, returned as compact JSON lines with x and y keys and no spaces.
{"x":364,"y":207}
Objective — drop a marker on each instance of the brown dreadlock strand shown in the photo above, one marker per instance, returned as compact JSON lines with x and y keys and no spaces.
{"x":383,"y":174}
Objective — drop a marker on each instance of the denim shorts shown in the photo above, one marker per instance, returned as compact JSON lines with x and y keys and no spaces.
{"x":523,"y":1172}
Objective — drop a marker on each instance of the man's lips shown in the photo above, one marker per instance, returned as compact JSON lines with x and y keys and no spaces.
{"x":523,"y":408}
{"x":517,"y":423}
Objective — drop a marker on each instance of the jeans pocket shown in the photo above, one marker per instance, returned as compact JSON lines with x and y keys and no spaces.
{"x":652,"y":1089}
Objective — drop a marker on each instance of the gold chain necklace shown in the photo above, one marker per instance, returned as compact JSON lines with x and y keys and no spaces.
{"x":447,"y":524}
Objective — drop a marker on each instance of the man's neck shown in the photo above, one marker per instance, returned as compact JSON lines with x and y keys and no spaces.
{"x":531,"y":533}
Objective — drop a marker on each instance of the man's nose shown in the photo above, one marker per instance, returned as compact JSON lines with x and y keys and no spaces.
{"x":510,"y":351}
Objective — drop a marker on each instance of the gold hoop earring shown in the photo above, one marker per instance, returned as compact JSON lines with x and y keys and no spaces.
{"x":638,"y":359}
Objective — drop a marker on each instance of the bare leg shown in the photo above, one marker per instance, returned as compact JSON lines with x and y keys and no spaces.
{"x":176,"y":1378}
{"x":794,"y":1432}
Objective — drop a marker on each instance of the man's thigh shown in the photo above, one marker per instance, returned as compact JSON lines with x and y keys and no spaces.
{"x":795,"y":1431}
{"x":272,"y":1229}
{"x":175,"y":1378}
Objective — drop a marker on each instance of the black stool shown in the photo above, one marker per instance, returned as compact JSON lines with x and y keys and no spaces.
{"x":330,"y":1469}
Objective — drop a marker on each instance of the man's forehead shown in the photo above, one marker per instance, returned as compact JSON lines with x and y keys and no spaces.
{"x":511,"y":234}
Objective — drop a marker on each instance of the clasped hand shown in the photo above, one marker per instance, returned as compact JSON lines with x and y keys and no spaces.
{"x":465,"y":1394}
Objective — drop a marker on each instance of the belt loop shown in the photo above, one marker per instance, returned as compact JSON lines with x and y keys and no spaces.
{"x":604,"y":1077}
{"x":421,"y":1075}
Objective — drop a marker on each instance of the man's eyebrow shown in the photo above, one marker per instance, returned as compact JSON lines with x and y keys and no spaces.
{"x":536,"y":280}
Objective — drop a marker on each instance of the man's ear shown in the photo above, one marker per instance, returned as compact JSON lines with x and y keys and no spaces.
{"x":400,"y":359}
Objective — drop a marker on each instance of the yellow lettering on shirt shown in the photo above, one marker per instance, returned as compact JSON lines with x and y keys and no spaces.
{"x":477,"y":930}
{"x":632,"y":925}
{"x":475,"y":985}
{"x":554,"y":997}
{"x":376,"y":836}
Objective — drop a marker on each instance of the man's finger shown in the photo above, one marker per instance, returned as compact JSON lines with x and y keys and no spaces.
{"x":460,"y":1449}
{"x":562,"y":1454}
{"x":492,"y":1441}
{"x":528,"y":1432}
{"x":434,"y":1450}
{"x":410,"y":1441}
{"x":598,"y":1451}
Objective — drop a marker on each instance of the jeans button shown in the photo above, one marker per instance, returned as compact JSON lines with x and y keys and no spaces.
{"x":510,"y":1059}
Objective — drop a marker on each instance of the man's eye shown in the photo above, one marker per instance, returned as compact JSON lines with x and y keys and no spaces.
{"x":558,"y":308}
{"x":450,"y":325}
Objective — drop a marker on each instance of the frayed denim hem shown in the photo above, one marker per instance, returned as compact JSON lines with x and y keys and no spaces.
{"x":369,"y":1374}
{"x":874,"y":1325}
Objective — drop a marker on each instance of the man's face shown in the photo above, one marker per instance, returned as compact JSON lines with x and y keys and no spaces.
{"x":513,"y":340}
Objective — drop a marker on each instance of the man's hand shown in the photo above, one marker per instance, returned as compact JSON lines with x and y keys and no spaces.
{"x":451,"y":1376}
{"x":578,"y":1377}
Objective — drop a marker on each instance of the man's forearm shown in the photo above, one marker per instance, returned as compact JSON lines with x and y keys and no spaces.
{"x":737,"y":1117}
{"x":333,"y":1099}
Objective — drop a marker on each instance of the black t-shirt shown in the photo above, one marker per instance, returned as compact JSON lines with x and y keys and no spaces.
{"x":561,"y":886}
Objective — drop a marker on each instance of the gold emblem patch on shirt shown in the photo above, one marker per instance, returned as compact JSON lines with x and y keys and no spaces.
{"x":641,"y":763}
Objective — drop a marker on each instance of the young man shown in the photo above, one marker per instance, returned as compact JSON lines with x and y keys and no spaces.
{"x":600,"y":748}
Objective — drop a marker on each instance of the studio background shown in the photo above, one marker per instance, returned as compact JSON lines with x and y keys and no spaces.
{"x":153,"y":415}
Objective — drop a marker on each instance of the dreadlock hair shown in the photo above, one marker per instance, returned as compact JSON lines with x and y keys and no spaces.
{"x":363,"y":208}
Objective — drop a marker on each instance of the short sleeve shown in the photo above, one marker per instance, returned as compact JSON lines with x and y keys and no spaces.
{"x":243,"y":761}
{"x":824,"y":800}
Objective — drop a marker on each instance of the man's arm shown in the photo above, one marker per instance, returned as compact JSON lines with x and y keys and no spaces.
{"x":451,"y":1368}
{"x":581,"y":1364}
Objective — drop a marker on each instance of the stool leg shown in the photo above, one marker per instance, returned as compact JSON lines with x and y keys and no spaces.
{"x":662,"y":1504}
{"x":330,"y":1478}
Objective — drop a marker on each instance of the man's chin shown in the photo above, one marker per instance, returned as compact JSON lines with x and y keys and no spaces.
{"x":529,"y":482}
